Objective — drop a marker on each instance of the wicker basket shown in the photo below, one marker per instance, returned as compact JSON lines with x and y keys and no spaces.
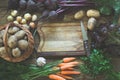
{"x":26,"y":53}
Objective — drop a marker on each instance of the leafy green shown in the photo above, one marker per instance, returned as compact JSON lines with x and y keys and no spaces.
{"x":95,"y":64}
{"x":20,"y":71}
{"x":106,"y":5}
{"x":11,"y":71}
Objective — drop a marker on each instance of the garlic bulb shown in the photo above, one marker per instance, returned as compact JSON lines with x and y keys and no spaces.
{"x":41,"y":61}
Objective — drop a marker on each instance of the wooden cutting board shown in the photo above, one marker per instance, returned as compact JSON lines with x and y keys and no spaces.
{"x":60,"y":39}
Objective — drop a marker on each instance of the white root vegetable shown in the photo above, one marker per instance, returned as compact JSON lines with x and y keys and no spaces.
{"x":20,"y":34}
{"x":13,"y":30}
{"x":16,"y":52}
{"x":12,"y":41}
{"x":23,"y":44}
{"x":3,"y":51}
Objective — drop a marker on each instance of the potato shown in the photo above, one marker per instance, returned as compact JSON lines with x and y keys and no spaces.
{"x":3,"y":51}
{"x":20,"y":34}
{"x":91,"y":23}
{"x":26,"y":26}
{"x":2,"y":33}
{"x":79,"y":15}
{"x":13,"y":30}
{"x":23,"y":44}
{"x":16,"y":52}
{"x":1,"y":42}
{"x":93,"y":13}
{"x":12,"y":41}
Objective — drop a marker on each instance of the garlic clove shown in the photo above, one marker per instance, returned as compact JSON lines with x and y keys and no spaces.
{"x":41,"y":61}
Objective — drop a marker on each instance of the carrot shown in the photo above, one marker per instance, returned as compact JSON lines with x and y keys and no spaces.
{"x":69,"y":69}
{"x":66,"y":67}
{"x":68,"y":59}
{"x":69,"y":72}
{"x":70,"y":63}
{"x":66,"y":77}
{"x":55,"y":77}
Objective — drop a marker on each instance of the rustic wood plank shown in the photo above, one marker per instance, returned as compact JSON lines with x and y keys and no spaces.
{"x":61,"y":38}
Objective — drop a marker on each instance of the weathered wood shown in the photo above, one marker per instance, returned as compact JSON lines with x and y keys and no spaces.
{"x":61,"y":38}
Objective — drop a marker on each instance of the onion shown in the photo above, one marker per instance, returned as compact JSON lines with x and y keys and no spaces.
{"x":27,"y":16}
{"x":10,"y":18}
{"x":14,"y":13}
{"x":23,"y":21}
{"x":19,"y":18}
{"x":34,"y":17}
{"x":32,"y":25}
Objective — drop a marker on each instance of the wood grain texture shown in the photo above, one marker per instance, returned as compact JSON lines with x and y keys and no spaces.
{"x":61,"y":37}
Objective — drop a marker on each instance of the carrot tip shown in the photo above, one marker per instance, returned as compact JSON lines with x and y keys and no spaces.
{"x":68,"y":59}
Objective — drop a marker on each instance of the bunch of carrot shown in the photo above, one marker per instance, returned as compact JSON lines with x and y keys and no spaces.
{"x":66,"y":68}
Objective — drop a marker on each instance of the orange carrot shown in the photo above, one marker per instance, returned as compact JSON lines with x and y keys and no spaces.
{"x":68,"y":59}
{"x":66,"y":67}
{"x":70,"y":63}
{"x":69,"y":69}
{"x":56,"y":77}
{"x":66,"y":77}
{"x":69,"y":72}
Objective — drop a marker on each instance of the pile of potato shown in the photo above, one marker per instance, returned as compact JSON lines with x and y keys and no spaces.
{"x":17,"y":42}
{"x":27,"y":20}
